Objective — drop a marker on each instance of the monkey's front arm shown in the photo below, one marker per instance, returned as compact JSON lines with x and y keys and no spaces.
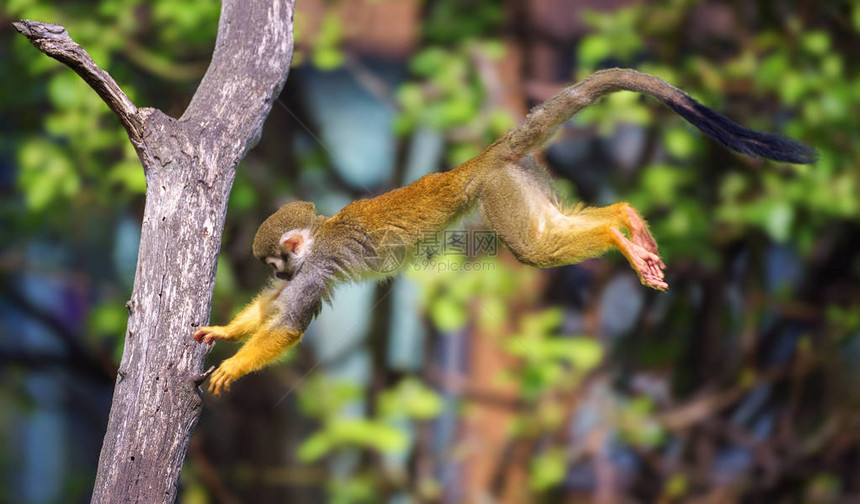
{"x":267,"y":340}
{"x":264,"y":347}
{"x":273,"y":323}
{"x":245,"y":324}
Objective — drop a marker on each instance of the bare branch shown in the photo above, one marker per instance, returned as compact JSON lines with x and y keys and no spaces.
{"x":54,"y":40}
{"x":252,"y":54}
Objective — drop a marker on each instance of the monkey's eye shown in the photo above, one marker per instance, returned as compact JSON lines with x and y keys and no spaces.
{"x":274,"y":262}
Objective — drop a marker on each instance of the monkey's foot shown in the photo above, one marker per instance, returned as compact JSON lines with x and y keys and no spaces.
{"x":647,"y":264}
{"x":639,"y":233}
{"x":223,"y":377}
{"x":210,"y":334}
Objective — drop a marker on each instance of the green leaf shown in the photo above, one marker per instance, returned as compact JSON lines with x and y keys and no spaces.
{"x":410,"y":96}
{"x":583,"y":353}
{"x":855,"y":17}
{"x":448,"y":314}
{"x":779,"y":221}
{"x":462,"y":152}
{"x":225,"y":278}
{"x":593,"y":49}
{"x":492,"y":309}
{"x":677,"y":486}
{"x":816,"y":42}
{"x":500,"y":121}
{"x":429,"y":61}
{"x":493,"y":49}
{"x":243,"y":196}
{"x":328,"y":58}
{"x":46,"y":174}
{"x":412,"y":399}
{"x":548,"y":469}
{"x":370,"y":433}
{"x":679,"y":142}
{"x":108,"y":318}
{"x":67,"y":90}
{"x":130,"y":174}
{"x":663,"y":183}
{"x":327,"y":54}
{"x":320,"y":397}
{"x":314,"y":447}
{"x":792,"y":87}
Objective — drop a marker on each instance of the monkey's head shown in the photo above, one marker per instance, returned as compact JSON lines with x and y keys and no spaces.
{"x":285,"y":239}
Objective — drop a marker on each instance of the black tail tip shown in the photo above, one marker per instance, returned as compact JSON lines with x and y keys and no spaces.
{"x":744,"y":140}
{"x":779,"y":148}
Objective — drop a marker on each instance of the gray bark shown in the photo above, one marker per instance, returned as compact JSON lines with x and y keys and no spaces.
{"x":190,"y":166}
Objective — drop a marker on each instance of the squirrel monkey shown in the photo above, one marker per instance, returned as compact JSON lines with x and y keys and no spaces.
{"x":309,"y":252}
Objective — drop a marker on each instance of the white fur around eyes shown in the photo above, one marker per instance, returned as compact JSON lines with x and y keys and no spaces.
{"x":277,"y":262}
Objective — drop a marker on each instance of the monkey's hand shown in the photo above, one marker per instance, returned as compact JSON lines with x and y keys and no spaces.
{"x":224,"y":376}
{"x":210,"y":334}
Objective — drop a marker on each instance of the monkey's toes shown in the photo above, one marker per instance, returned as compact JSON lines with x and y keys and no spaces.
{"x":653,"y":276}
{"x":647,"y":264}
{"x":220,"y":382}
{"x":654,"y":282}
{"x":639,"y":234}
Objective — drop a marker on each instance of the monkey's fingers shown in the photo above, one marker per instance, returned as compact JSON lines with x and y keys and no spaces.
{"x":213,"y":337}
{"x":202,"y":332}
{"x":210,"y":334}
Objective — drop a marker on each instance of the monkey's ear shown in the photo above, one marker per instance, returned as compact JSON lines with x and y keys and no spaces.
{"x":292,"y":242}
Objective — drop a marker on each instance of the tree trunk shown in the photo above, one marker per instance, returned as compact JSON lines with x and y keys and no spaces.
{"x":190,"y":165}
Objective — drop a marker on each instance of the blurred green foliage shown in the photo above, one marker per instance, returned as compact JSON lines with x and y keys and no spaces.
{"x":84,"y":155}
{"x":408,"y":400}
{"x":451,"y":71}
{"x":327,"y":54}
{"x":784,"y":73}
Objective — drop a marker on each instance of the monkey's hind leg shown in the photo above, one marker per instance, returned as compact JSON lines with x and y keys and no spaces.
{"x":545,"y":236}
{"x":520,"y":206}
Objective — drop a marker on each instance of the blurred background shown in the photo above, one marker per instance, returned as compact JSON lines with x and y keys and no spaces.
{"x":502,"y":383}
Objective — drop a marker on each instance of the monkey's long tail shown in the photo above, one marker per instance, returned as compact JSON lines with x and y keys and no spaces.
{"x":543,"y":121}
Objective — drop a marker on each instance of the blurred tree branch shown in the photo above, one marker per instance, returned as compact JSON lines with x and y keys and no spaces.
{"x":100,"y":366}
